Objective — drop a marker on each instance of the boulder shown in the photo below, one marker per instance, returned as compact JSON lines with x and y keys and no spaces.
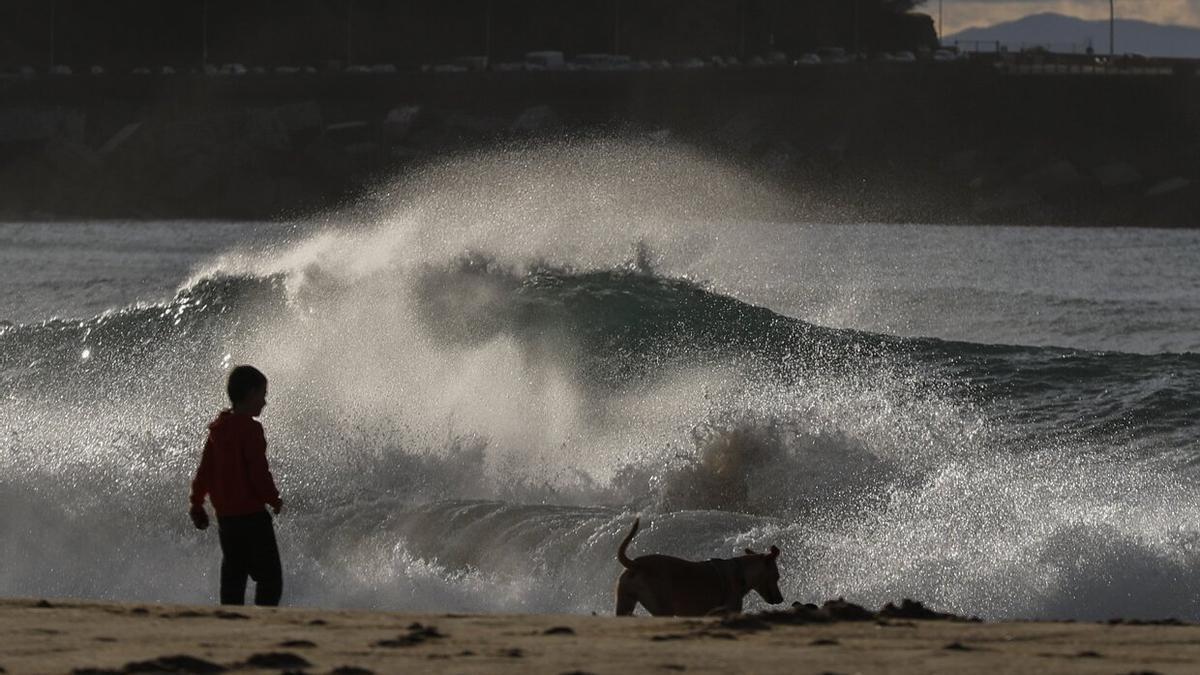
{"x":742,"y":132}
{"x":780,"y":158}
{"x":659,"y":135}
{"x":184,"y":139}
{"x":1117,"y":174}
{"x":959,"y":163}
{"x":299,"y":118}
{"x":69,"y":159}
{"x":120,"y":138}
{"x":1054,"y":178}
{"x":23,"y":124}
{"x":1005,"y":198}
{"x":329,"y":159}
{"x":399,"y":122}
{"x":534,"y":120}
{"x":1168,"y":186}
{"x":348,"y":133}
{"x":262,"y":128}
{"x":482,"y":125}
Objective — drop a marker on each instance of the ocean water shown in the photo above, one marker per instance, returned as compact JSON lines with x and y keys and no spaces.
{"x":478,"y":381}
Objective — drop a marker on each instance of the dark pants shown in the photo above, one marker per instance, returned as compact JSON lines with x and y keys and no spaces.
{"x":248,"y":549}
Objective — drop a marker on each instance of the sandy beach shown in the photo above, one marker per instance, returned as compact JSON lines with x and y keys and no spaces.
{"x":37,"y":636}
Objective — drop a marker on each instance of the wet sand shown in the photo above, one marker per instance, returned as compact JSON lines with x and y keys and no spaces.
{"x":90,"y":637}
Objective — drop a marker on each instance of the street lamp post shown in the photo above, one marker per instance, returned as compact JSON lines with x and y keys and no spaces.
{"x":487,"y":35}
{"x":1112,"y":29}
{"x":204,"y":36}
{"x":349,"y":33}
{"x":857,"y":47}
{"x":742,"y":30}
{"x":941,"y":35}
{"x":53,"y":55}
{"x":616,"y":27}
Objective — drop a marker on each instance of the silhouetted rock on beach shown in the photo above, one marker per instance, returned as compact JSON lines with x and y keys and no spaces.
{"x":836,"y":636}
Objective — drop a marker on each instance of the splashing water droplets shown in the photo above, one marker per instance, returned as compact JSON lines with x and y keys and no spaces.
{"x":473,"y":394}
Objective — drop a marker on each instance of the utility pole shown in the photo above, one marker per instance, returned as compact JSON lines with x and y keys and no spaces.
{"x":349,"y":32}
{"x":204,"y":36}
{"x":53,"y":55}
{"x":487,"y":35}
{"x":742,"y":29}
{"x":1112,"y":30}
{"x":941,"y":35}
{"x":616,"y":27}
{"x":856,"y":22}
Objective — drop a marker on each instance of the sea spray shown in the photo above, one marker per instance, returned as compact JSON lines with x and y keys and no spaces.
{"x":472,"y":398}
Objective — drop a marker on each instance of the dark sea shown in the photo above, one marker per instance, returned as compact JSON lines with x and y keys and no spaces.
{"x":475,"y":390}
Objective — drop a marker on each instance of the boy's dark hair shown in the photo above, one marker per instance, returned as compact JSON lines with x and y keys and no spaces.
{"x":243,"y":380}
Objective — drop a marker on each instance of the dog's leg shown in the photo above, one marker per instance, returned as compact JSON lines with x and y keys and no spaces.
{"x":626,"y":598}
{"x":625,"y":605}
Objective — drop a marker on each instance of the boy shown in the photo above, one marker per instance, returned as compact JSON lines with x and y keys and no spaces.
{"x":234,"y":474}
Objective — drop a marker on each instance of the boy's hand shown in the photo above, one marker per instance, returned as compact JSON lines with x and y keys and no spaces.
{"x":199,"y":517}
{"x":277,"y":507}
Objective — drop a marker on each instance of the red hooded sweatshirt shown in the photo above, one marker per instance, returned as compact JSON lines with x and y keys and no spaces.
{"x":233,"y":470}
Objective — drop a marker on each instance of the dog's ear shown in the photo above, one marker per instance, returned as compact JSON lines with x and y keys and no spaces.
{"x":750,"y":551}
{"x":774,"y":553}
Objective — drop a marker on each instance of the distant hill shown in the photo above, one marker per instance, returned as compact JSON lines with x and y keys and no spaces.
{"x":1061,"y":33}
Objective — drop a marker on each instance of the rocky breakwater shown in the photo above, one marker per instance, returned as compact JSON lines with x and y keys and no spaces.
{"x":62,"y":161}
{"x":228,"y":161}
{"x":934,"y":145}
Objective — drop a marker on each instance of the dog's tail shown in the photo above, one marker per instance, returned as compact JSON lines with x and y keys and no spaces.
{"x":624,"y":559}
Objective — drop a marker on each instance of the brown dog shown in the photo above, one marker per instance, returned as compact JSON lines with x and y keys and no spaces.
{"x":668,"y":586}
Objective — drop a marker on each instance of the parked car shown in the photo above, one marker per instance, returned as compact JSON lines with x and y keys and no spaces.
{"x":473,"y":63}
{"x":545,"y":60}
{"x":600,"y":62}
{"x":692,"y":63}
{"x":776,"y":59}
{"x":833,"y":55}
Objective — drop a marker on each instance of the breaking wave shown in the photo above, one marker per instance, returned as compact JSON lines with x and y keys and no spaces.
{"x":468,"y":426}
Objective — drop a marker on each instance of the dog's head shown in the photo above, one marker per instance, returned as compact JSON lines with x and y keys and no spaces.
{"x":762,"y":574}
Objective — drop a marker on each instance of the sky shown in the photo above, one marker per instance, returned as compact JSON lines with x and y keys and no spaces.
{"x":961,"y":14}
